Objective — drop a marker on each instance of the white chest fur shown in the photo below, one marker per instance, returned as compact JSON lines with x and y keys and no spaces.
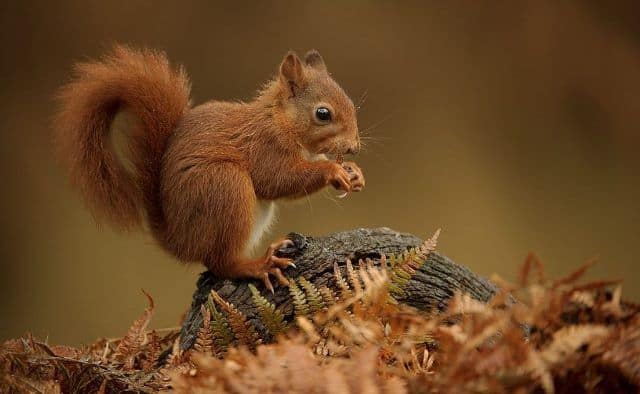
{"x":263,"y":217}
{"x":313,"y":156}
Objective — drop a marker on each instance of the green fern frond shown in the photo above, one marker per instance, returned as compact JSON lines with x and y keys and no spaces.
{"x":272,"y":318}
{"x":299,"y":299}
{"x":345,"y":291}
{"x":393,"y":260}
{"x":400,"y":276}
{"x":403,"y":267}
{"x":242,"y":329}
{"x":314,"y":298}
{"x":222,"y":334}
{"x":396,"y":291}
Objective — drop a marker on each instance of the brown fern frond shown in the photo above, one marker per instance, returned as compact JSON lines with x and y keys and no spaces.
{"x":536,"y":366}
{"x":614,"y":306}
{"x":287,"y":368}
{"x":622,"y":351}
{"x":176,"y":357}
{"x":568,"y":340}
{"x":532,"y":261}
{"x":345,"y":291}
{"x":328,"y":296}
{"x":585,"y":298}
{"x":152,"y":351}
{"x":242,"y":329}
{"x":354,"y":280}
{"x":376,"y":287}
{"x":429,"y":245}
{"x":462,"y":303}
{"x":130,"y":345}
{"x":592,"y":286}
{"x":503,"y":284}
{"x":575,"y":275}
{"x":384,"y":264}
{"x":363,"y":272}
{"x":204,"y":339}
{"x":308,"y":328}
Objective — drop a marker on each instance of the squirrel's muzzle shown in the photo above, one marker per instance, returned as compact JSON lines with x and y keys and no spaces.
{"x":354,"y":149}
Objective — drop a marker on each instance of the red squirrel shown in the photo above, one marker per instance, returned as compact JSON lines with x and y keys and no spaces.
{"x":205,"y":177}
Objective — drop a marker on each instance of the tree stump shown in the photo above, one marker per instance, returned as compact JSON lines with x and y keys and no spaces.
{"x":431,"y":287}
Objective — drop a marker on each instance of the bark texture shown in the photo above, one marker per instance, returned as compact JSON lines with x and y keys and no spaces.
{"x":431,"y":287}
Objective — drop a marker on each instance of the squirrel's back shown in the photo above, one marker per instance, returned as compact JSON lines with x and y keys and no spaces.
{"x":144,"y":84}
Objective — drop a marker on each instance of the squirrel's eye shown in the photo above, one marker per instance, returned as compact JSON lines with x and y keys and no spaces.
{"x":323,"y":114}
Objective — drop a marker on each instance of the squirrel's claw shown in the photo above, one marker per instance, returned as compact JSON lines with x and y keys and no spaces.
{"x":283,"y":243}
{"x":267,"y":282}
{"x":356,"y":178}
{"x":279,"y":276}
{"x":282,"y":262}
{"x":273,"y":265}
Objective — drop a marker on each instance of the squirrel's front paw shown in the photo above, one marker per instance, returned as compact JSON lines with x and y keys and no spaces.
{"x":340,"y":177}
{"x":356,"y":178}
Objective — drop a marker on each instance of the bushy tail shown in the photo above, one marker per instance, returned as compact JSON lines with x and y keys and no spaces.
{"x":144,"y":84}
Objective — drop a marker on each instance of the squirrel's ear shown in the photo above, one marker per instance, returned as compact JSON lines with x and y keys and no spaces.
{"x":313,"y":59}
{"x":291,"y":72}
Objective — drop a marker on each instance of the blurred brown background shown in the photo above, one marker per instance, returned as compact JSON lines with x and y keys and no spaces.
{"x":514,"y":126}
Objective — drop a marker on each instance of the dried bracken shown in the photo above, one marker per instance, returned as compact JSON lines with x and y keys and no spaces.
{"x":345,"y":291}
{"x":129,"y":347}
{"x":560,"y":336}
{"x":204,"y":341}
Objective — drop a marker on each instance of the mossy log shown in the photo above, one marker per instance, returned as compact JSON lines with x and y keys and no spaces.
{"x":431,"y":287}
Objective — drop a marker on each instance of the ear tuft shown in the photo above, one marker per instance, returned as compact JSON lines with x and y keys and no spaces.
{"x":313,"y":59}
{"x":291,"y":72}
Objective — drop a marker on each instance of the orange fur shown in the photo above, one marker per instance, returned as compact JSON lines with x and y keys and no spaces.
{"x":200,"y":172}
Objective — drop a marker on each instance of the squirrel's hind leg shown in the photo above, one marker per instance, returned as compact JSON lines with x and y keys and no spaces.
{"x":215,"y":221}
{"x":208,"y":212}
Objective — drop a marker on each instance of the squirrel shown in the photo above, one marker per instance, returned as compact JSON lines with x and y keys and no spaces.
{"x":205,"y":177}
